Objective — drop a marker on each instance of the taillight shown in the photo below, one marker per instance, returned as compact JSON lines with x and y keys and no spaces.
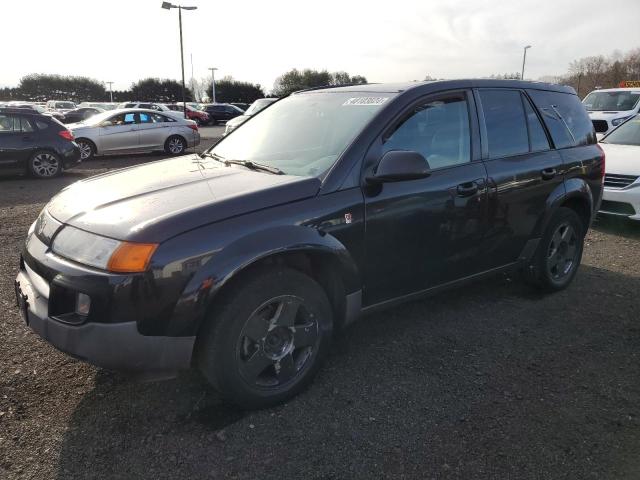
{"x":66,"y":134}
{"x":604,"y":157}
{"x":193,"y":126}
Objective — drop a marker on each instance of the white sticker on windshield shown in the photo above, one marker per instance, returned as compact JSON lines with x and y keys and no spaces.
{"x":365,"y":101}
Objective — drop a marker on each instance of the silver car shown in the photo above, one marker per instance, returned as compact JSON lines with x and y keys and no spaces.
{"x":134,"y":130}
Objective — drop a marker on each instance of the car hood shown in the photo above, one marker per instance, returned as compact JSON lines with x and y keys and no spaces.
{"x":622,"y":159}
{"x":157,"y":201}
{"x":234,"y":122}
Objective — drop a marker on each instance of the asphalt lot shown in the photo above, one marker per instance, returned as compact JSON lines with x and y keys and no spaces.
{"x":491,"y":381}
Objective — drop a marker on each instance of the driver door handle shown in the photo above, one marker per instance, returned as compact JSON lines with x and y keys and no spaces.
{"x":548,"y":173}
{"x":467,"y":189}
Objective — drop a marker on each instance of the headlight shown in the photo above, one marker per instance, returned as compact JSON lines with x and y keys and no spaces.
{"x":617,"y":121}
{"x":102,"y":252}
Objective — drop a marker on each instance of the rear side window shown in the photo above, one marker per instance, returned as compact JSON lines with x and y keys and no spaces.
{"x":537,"y":136}
{"x":26,"y":125}
{"x":565,"y":117}
{"x":505,"y":121}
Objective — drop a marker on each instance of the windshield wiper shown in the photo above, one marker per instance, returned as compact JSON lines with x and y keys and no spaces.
{"x":255,"y":166}
{"x":215,"y":156}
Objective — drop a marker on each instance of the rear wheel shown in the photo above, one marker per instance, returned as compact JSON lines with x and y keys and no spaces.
{"x":87,"y":149}
{"x":267,"y":339}
{"x":175,"y":145}
{"x":45,"y":164}
{"x":559,"y":253}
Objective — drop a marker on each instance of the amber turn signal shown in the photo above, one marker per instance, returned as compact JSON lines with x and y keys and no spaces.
{"x":131,"y":257}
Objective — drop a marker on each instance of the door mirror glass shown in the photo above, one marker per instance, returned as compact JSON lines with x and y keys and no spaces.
{"x":400,"y":165}
{"x":107,"y":123}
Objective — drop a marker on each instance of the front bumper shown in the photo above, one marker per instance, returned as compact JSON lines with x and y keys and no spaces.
{"x":117,"y":346}
{"x":629,"y":198}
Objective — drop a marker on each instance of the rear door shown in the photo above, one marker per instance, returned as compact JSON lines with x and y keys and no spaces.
{"x":522,"y":168}
{"x":11,"y":146}
{"x":427,"y":232}
{"x":153,"y":130}
{"x":119,"y":133}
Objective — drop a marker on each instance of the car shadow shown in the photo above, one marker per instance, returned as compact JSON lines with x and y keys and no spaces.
{"x":489,"y":380}
{"x":617,"y":226}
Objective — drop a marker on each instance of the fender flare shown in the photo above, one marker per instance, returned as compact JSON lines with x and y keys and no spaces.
{"x":232,"y":260}
{"x":572,"y":188}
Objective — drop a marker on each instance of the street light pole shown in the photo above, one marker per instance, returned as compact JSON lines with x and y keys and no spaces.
{"x":110,"y":91}
{"x":213,"y":84}
{"x":524,"y":59}
{"x":169,"y":6}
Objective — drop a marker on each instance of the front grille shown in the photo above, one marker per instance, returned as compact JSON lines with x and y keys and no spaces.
{"x":619,"y":208}
{"x":613,"y":180}
{"x":601,"y":126}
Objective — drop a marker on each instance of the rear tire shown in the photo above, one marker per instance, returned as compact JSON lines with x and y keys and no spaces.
{"x":175,"y":145}
{"x":45,"y":164}
{"x":267,"y":338}
{"x":559,"y":252}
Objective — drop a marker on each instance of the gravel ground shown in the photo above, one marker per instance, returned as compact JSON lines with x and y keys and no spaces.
{"x":490,"y":381}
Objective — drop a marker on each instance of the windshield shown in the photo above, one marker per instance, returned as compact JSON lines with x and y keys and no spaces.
{"x":620,"y":100}
{"x":302,"y":134}
{"x":97,"y":118}
{"x":626,"y":134}
{"x":259,"y":105}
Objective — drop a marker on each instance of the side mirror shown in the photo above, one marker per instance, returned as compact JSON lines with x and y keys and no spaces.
{"x":107,"y":123}
{"x":400,"y":165}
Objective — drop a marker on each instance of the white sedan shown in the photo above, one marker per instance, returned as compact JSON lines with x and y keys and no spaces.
{"x":134,"y":130}
{"x":622,"y":177}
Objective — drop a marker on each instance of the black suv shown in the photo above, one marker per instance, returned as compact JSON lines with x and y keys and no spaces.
{"x":244,"y":260}
{"x":221,"y":112}
{"x":35,"y":144}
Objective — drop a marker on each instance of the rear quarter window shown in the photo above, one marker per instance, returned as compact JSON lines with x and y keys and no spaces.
{"x":565,"y":117}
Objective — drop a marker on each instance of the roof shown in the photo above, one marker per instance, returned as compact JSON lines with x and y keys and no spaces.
{"x":625,"y":89}
{"x":461,"y":83}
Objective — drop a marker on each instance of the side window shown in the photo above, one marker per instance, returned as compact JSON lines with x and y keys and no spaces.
{"x":566,"y":118}
{"x":537,"y":137}
{"x":505,"y":122}
{"x":6,"y":123}
{"x":438,"y":129}
{"x":25,"y":125}
{"x":157,"y":118}
{"x":123,"y":119}
{"x":145,"y":117}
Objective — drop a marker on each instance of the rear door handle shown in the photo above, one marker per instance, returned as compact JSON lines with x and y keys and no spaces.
{"x":467,"y":189}
{"x":548,"y":173}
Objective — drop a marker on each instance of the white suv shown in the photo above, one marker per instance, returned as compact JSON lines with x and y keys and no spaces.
{"x":610,"y":107}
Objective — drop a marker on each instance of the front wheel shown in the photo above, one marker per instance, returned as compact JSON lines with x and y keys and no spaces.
{"x":87,"y":149}
{"x":175,"y":145}
{"x":559,"y":253}
{"x":267,"y":339}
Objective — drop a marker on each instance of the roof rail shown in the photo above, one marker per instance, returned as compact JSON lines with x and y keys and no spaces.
{"x":324,"y":87}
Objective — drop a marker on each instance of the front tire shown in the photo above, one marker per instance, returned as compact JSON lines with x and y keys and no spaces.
{"x":45,"y":164}
{"x":175,"y":145}
{"x":267,"y":339}
{"x":87,"y":149}
{"x":559,"y":253}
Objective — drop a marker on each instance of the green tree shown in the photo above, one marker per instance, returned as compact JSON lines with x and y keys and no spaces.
{"x":42,"y":87}
{"x":230,"y":90}
{"x":159,"y":90}
{"x":295,"y":80}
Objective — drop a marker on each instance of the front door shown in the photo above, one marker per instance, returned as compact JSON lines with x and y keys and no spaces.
{"x":119,"y":133}
{"x":427,"y":232}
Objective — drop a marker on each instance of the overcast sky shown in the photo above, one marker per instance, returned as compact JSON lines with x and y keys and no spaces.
{"x":400,"y":40}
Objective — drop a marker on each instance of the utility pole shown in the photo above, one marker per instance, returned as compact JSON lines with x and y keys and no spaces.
{"x":524,"y":59}
{"x":169,"y":6}
{"x":110,"y":91}
{"x":213,"y":84}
